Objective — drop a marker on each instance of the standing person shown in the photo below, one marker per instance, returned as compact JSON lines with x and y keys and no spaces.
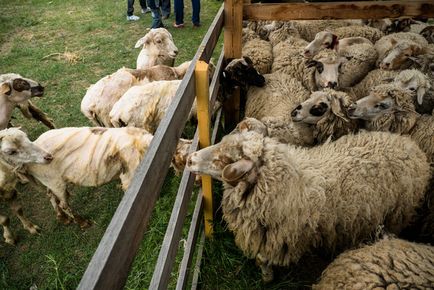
{"x":156,"y":13}
{"x":130,"y":9}
{"x":165,"y":8}
{"x":179,"y":13}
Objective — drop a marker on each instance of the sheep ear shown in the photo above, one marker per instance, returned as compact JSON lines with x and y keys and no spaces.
{"x":416,"y":48}
{"x":336,"y":107}
{"x":243,"y":126}
{"x":5,"y":89}
{"x":311,"y":63}
{"x":141,"y":41}
{"x":248,"y":60}
{"x":420,"y":94}
{"x":236,"y":170}
{"x":393,"y":41}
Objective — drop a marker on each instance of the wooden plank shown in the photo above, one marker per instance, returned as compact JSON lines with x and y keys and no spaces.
{"x":190,"y":244}
{"x":212,"y":36}
{"x":111,"y":262}
{"x":166,"y":257}
{"x":215,"y":82}
{"x":232,"y":48}
{"x":196,"y":272}
{"x":203,"y":117}
{"x":339,"y":10}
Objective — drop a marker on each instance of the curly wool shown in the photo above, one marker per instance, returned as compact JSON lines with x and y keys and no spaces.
{"x":388,"y":264}
{"x":277,"y":98}
{"x":283,"y":33}
{"x":384,"y":45}
{"x":371,"y":33}
{"x":373,"y":78}
{"x":307,"y":29}
{"x":336,"y":123}
{"x":333,"y":195}
{"x":261,"y":54}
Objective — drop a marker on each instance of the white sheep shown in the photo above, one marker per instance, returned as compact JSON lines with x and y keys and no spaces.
{"x":16,"y":150}
{"x":326,"y":112}
{"x":282,"y":201}
{"x":16,"y":91}
{"x":157,"y":48}
{"x":373,"y":78}
{"x":327,"y":39}
{"x":395,"y":49}
{"x":428,"y":33}
{"x":260,"y":52}
{"x":100,"y":97}
{"x":307,"y":29}
{"x":390,"y":108}
{"x":387,"y":264}
{"x":421,"y":87}
{"x":88,"y":156}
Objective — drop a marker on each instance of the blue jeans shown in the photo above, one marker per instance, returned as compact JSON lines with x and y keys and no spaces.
{"x":179,"y":11}
{"x":130,"y":6}
{"x":165,"y":7}
{"x":154,"y":5}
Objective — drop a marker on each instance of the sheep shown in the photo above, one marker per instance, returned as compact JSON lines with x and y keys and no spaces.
{"x":157,"y":48}
{"x":16,"y":91}
{"x":322,"y":71}
{"x":388,"y":107}
{"x":326,"y":39}
{"x":390,"y":263}
{"x":276,"y":98}
{"x":283,"y":33}
{"x":282,"y":201}
{"x":420,"y":85}
{"x":307,"y":29}
{"x":424,"y":63}
{"x":87,"y":156}
{"x":373,"y":78}
{"x":388,"y":26}
{"x":395,"y":49}
{"x":100,"y":97}
{"x":260,"y":52}
{"x":428,"y":33}
{"x":326,"y":112}
{"x":16,"y":150}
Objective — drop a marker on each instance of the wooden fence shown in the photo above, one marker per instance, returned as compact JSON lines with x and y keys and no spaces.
{"x":109,"y":267}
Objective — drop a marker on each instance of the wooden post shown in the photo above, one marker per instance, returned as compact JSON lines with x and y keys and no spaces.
{"x":232,"y":49}
{"x":203,"y":117}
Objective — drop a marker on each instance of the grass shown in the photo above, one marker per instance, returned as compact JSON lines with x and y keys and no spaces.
{"x":68,"y":45}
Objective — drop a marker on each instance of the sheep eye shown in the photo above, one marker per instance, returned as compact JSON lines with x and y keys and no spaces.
{"x":407,"y":55}
{"x":412,"y":89}
{"x":11,"y":152}
{"x":327,"y":43}
{"x":158,"y":40}
{"x":319,"y":67}
{"x":381,"y":106}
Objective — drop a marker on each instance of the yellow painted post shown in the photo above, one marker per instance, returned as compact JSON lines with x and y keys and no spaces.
{"x":203,"y":117}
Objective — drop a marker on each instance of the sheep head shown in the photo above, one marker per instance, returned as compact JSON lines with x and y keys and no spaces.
{"x":398,"y":56}
{"x":428,"y":33}
{"x":159,"y":42}
{"x":16,"y":149}
{"x":327,"y":64}
{"x":18,"y":89}
{"x":232,"y":160}
{"x":415,"y":81}
{"x":180,"y":157}
{"x":323,"y":39}
{"x":241,"y":72}
{"x":383,"y":99}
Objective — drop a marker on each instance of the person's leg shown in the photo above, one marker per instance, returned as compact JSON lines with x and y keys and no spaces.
{"x":165,"y":8}
{"x":130,"y":7}
{"x":143,"y":4}
{"x":156,"y":14}
{"x":195,"y":18}
{"x":179,"y":12}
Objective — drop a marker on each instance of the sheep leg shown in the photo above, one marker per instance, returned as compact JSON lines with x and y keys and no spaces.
{"x":63,"y":195}
{"x":27,"y":224}
{"x":7,"y":233}
{"x":40,"y":116}
{"x":60,"y":215}
{"x":266,"y":269}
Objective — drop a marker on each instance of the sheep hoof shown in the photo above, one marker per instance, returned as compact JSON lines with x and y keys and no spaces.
{"x":64,"y":219}
{"x":267,"y":277}
{"x":34,"y":229}
{"x":10,"y":241}
{"x":83,"y":223}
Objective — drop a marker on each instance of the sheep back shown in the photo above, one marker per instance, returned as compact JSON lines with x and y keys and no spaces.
{"x":388,"y":264}
{"x":371,"y":33}
{"x":261,"y":54}
{"x":372,"y":79}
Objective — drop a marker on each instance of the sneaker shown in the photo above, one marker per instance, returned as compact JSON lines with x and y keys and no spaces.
{"x":147,"y":10}
{"x":165,"y":17}
{"x":133,"y":18}
{"x":178,"y":25}
{"x":196,"y":25}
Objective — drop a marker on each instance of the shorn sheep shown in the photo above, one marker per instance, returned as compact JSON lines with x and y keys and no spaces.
{"x":100,"y":97}
{"x":326,"y":112}
{"x":282,"y":201}
{"x":157,"y":48}
{"x":387,"y":264}
{"x":390,"y":108}
{"x":16,"y":150}
{"x":16,"y":91}
{"x":88,"y":156}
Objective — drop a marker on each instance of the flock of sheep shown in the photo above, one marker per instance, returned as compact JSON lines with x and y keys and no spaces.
{"x":337,"y":146}
{"x":125,"y":107}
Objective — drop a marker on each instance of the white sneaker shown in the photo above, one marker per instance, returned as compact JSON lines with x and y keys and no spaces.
{"x":147,"y":10}
{"x":133,"y":18}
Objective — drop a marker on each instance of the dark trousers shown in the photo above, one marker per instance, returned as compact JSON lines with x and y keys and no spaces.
{"x":130,"y":6}
{"x":154,"y":5}
{"x":165,"y":7}
{"x":179,"y":11}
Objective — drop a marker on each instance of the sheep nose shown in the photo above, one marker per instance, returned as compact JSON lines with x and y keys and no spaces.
{"x":332,"y":85}
{"x":48,"y":157}
{"x":386,"y":64}
{"x":175,"y":52}
{"x":295,"y":111}
{"x":351,"y":109}
{"x":189,"y":161}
